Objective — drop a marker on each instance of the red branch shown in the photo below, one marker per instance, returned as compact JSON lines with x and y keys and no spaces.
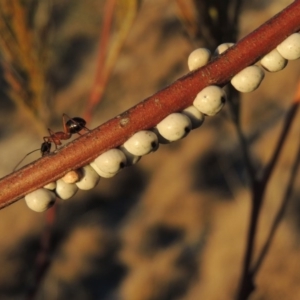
{"x":101,"y":72}
{"x":152,"y":110}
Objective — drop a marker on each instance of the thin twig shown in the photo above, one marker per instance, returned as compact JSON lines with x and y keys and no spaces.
{"x":107,"y":59}
{"x":152,"y":110}
{"x":234,"y":105}
{"x":43,"y":259}
{"x":289,"y":119}
{"x":279,"y":215}
{"x":98,"y":85}
{"x":258,"y":192}
{"x":247,"y":286}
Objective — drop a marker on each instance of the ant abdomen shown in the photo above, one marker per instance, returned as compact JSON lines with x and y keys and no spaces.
{"x":75,"y":125}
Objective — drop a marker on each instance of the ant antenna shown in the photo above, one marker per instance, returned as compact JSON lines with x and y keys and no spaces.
{"x":23,"y":159}
{"x":45,"y":149}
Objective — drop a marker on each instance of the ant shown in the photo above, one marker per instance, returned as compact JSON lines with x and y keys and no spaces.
{"x":70,"y":127}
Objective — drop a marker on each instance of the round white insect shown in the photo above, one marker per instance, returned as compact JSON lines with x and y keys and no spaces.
{"x":174,"y":127}
{"x":109,"y":163}
{"x":210,"y":100}
{"x":222,"y":48}
{"x":40,"y":200}
{"x":130,"y":158}
{"x":65,"y":190}
{"x":196,"y":117}
{"x":290,"y":47}
{"x":142,"y":143}
{"x":89,"y":180}
{"x":248,"y":79}
{"x":198,"y":58}
{"x":50,"y":186}
{"x":273,"y":61}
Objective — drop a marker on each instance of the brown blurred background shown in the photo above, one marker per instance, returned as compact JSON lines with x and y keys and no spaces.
{"x":174,"y":225}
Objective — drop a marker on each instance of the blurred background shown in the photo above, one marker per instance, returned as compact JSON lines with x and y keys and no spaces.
{"x":174,"y":225}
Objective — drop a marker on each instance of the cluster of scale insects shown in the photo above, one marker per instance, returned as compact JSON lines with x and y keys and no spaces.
{"x":208,"y":102}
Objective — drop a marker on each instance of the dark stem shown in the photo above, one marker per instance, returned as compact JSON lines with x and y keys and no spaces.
{"x":247,"y":285}
{"x":43,"y":260}
{"x":279,"y":215}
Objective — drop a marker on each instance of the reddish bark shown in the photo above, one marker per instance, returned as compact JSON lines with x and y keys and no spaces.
{"x":149,"y":112}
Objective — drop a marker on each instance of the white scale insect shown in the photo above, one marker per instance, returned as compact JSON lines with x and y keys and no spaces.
{"x":208,"y":102}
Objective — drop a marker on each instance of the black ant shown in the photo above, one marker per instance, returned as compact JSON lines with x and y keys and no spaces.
{"x":70,"y":126}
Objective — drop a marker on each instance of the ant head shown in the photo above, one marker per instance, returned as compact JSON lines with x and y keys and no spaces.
{"x":76,"y":124}
{"x":45,"y":148}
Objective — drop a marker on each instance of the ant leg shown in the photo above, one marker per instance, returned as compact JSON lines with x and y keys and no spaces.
{"x":66,"y":129}
{"x":85,"y":128}
{"x":65,"y":116}
{"x":53,"y":138}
